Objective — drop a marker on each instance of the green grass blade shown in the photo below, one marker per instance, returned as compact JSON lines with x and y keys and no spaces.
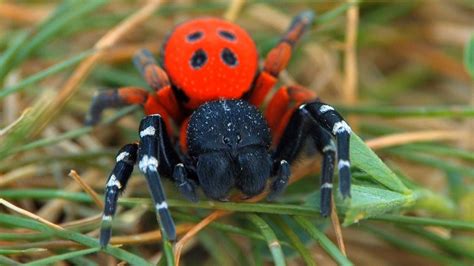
{"x":7,"y":148}
{"x":7,"y":261}
{"x":225,"y":228}
{"x":9,"y":54}
{"x":332,"y":14}
{"x":323,"y":240}
{"x":410,"y":246}
{"x":425,"y":221}
{"x":272,"y":241}
{"x":433,"y":161}
{"x":295,"y":241}
{"x":269,"y":208}
{"x":439,"y":150}
{"x":447,"y":244}
{"x":69,"y":255}
{"x":168,"y":253}
{"x":58,"y":21}
{"x":469,"y":56}
{"x":216,"y":249}
{"x":417,"y":111}
{"x":44,"y":73}
{"x":121,"y":254}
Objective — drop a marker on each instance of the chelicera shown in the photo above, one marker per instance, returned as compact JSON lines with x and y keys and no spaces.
{"x":210,"y":85}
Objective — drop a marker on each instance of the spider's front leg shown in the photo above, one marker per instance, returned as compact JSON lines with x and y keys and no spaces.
{"x":116,"y":184}
{"x":156,"y":148}
{"x":150,"y":132}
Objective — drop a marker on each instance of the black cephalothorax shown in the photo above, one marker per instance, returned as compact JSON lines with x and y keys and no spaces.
{"x":229,"y":143}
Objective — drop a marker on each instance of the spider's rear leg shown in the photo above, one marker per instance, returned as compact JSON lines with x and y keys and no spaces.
{"x":277,"y":59}
{"x":116,"y":183}
{"x":114,"y":98}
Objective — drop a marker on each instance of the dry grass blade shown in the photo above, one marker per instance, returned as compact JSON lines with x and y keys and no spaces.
{"x":350,"y":58}
{"x":21,"y":13}
{"x":107,"y":41}
{"x":234,"y":9}
{"x":29,"y":214}
{"x":148,"y":237}
{"x":3,"y":131}
{"x":194,"y":230}
{"x":18,"y":174}
{"x":407,"y":138}
{"x":337,"y":227}
{"x":87,"y":189}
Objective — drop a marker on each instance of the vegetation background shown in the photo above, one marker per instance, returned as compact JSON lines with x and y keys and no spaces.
{"x":401,"y":72}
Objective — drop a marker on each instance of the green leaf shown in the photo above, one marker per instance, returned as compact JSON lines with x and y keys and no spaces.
{"x":370,"y":201}
{"x":469,"y":56}
{"x":367,"y":202}
{"x":365,"y":159}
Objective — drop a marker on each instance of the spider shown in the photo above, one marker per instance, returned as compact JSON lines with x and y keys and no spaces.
{"x":209,"y":85}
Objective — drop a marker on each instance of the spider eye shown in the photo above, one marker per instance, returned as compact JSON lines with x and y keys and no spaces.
{"x":227,"y":35}
{"x":194,"y":36}
{"x":198,"y":59}
{"x":229,"y":57}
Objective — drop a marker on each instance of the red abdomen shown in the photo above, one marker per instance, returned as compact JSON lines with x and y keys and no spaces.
{"x":209,"y":59}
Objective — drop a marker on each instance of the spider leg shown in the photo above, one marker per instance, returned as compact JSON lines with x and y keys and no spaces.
{"x":159,"y":81}
{"x":150,"y":137}
{"x":333,"y":122}
{"x":113,"y":99}
{"x":154,"y":75}
{"x":162,"y":102}
{"x":327,"y":148}
{"x":171,"y":164}
{"x":277,"y":59}
{"x":116,"y":183}
{"x":293,"y":116}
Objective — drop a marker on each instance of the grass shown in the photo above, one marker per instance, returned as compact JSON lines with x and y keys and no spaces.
{"x":401,"y":73}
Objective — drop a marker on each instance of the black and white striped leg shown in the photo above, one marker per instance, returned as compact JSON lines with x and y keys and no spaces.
{"x":116,"y":183}
{"x":327,"y":147}
{"x":150,"y":135}
{"x":332,"y":121}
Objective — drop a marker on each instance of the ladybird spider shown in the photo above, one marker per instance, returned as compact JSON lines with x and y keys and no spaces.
{"x":210,"y":85}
